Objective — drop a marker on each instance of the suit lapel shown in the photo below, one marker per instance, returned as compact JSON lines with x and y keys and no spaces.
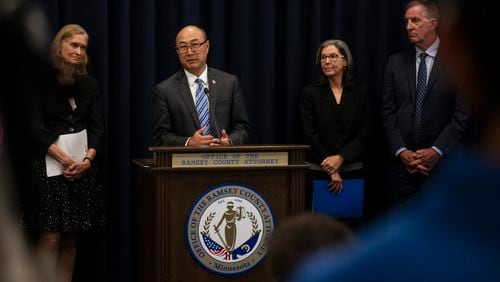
{"x":213,"y":88}
{"x":412,"y":74}
{"x":187,"y":98}
{"x":434,"y":74}
{"x":212,"y":99}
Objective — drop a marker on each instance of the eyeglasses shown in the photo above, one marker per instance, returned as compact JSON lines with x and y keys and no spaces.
{"x":332,"y":57}
{"x":195,"y":46}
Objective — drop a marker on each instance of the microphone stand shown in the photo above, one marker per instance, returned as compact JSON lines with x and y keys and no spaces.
{"x":212,"y":115}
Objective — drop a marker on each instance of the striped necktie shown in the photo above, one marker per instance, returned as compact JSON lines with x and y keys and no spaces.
{"x":202,"y":107}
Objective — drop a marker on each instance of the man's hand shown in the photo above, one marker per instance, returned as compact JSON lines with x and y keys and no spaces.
{"x":224,"y":139}
{"x":421,"y":161}
{"x":428,"y":157}
{"x":199,"y":140}
{"x":412,"y":163}
{"x":417,"y":167}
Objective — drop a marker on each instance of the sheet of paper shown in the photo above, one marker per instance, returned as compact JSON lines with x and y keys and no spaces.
{"x":74,"y":145}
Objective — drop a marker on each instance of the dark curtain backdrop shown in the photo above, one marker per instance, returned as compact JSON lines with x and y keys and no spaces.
{"x":269,"y":45}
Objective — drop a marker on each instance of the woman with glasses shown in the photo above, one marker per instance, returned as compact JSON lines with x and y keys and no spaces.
{"x":66,"y":196}
{"x":336,"y":116}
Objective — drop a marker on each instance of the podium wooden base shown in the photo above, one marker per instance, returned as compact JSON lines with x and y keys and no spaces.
{"x":167,"y":191}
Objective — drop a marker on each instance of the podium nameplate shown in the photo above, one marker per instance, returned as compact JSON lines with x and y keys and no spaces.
{"x":229,"y":159}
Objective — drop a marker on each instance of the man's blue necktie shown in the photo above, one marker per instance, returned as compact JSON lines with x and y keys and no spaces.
{"x":420,"y":95}
{"x":202,"y":106}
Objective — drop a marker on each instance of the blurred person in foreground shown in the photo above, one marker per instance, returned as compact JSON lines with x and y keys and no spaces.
{"x":61,"y":206}
{"x":423,"y":114}
{"x":23,"y":75}
{"x":198,"y":105}
{"x":298,"y":237}
{"x":18,"y":263}
{"x":451,"y":233}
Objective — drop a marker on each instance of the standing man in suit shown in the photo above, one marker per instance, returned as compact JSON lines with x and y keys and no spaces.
{"x":451,"y":233}
{"x":423,"y":116}
{"x":180,"y":116}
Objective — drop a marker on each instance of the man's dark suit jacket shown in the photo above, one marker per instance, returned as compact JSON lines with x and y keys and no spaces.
{"x":444,"y":115}
{"x":174,"y":112}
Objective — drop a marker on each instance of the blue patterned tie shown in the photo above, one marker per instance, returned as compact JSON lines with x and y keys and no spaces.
{"x":202,"y":106}
{"x":421,"y":88}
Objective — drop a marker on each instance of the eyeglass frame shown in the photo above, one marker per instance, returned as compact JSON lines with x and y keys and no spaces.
{"x":187,"y":46}
{"x":333,"y":57}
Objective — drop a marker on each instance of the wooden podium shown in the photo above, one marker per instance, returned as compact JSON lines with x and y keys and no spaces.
{"x":174,"y":180}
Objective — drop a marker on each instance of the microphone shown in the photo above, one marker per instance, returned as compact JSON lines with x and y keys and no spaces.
{"x":212,"y":115}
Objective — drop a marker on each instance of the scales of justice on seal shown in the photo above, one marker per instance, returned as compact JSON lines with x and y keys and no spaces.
{"x":227,"y":198}
{"x":229,"y":240}
{"x":228,"y":227}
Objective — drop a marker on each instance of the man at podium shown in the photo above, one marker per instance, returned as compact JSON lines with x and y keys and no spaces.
{"x":198,"y":105}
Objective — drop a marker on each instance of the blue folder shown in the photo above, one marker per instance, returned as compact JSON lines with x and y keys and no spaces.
{"x":347,"y":204}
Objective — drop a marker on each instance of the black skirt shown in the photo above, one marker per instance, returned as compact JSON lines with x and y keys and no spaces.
{"x":56,"y":204}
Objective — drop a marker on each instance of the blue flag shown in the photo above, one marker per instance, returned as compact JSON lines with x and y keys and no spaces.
{"x":246,"y":247}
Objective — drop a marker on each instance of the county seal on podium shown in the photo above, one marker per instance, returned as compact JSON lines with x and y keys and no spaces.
{"x":228,"y":227}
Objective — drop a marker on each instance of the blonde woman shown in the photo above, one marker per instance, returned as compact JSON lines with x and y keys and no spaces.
{"x":61,"y":206}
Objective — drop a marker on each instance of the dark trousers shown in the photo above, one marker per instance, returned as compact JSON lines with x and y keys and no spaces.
{"x":403,"y":186}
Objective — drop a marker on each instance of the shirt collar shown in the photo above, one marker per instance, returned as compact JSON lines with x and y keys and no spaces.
{"x":431,"y":51}
{"x":192,"y":78}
